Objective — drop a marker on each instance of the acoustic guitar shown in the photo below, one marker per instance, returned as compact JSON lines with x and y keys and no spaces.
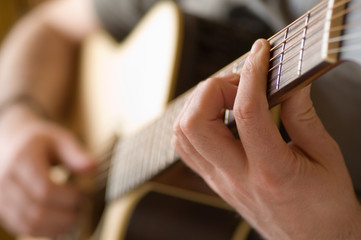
{"x":149,"y":194}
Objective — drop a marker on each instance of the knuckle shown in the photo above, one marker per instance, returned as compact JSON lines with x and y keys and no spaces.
{"x":188,"y":125}
{"x":246,"y":111}
{"x":273,"y":188}
{"x":209,"y":83}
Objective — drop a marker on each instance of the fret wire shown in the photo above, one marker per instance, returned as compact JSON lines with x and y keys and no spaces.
{"x":273,"y":67}
{"x":135,"y":158}
{"x":148,"y":165}
{"x":289,"y":69}
{"x":296,"y":43}
{"x":147,"y":144}
{"x":313,"y":21}
{"x":272,"y":82}
{"x":302,"y":46}
{"x":299,"y":31}
{"x":238,"y":64}
{"x":164,"y":143}
{"x":132,"y":181}
{"x":321,"y":4}
{"x":316,"y":28}
{"x":111,"y":191}
{"x":152,"y":164}
{"x":131,"y":160}
{"x":168,"y":137}
{"x":122,"y":165}
{"x":237,"y":67}
{"x":281,"y":60}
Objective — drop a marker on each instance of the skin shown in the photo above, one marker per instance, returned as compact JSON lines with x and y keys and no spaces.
{"x":274,"y":195}
{"x":36,"y":59}
{"x":295,"y":190}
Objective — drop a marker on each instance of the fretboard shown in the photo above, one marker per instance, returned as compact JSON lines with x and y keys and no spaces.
{"x":299,"y":53}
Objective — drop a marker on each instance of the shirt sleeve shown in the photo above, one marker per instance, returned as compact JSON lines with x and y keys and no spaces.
{"x":118,"y":17}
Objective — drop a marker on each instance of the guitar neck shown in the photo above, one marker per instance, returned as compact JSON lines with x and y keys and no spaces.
{"x":299,"y":53}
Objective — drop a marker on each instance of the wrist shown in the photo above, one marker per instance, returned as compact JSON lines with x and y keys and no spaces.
{"x":16,"y":115}
{"x":23,"y":103}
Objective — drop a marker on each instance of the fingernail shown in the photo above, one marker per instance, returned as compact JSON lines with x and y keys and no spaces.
{"x":257,"y":46}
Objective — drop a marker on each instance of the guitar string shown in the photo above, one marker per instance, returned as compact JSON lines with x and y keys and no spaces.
{"x":239,"y":62}
{"x":315,"y":20}
{"x":312,"y":11}
{"x":294,"y":44}
{"x":105,"y":165}
{"x":353,"y":47}
{"x":299,"y":19}
{"x":291,"y":46}
{"x":291,"y":65}
{"x":243,"y":57}
{"x":350,"y":36}
{"x":333,"y":29}
{"x":298,"y":31}
{"x":337,"y":39}
{"x":103,"y":175}
{"x":356,"y":47}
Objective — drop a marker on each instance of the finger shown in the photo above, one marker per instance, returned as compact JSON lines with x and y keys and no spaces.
{"x":33,"y":176}
{"x":70,"y":152}
{"x":202,"y":126}
{"x":258,"y":132}
{"x":16,"y":201}
{"x":305,"y":128}
{"x":50,"y":222}
{"x":195,"y":161}
{"x":24,"y":215}
{"x":189,"y":155}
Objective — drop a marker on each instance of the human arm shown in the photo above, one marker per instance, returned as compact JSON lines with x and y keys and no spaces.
{"x":295,"y":190}
{"x":38,"y":56}
{"x":36,"y":61}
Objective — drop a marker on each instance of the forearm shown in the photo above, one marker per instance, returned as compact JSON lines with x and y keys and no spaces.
{"x":36,"y":61}
{"x":39,"y":55}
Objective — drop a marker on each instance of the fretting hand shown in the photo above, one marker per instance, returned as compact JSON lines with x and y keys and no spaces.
{"x":295,"y":190}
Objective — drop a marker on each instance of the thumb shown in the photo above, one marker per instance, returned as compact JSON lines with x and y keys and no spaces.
{"x":71,"y":153}
{"x":304,"y":126}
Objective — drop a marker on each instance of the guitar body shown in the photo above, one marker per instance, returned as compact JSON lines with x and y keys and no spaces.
{"x":125,"y":86}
